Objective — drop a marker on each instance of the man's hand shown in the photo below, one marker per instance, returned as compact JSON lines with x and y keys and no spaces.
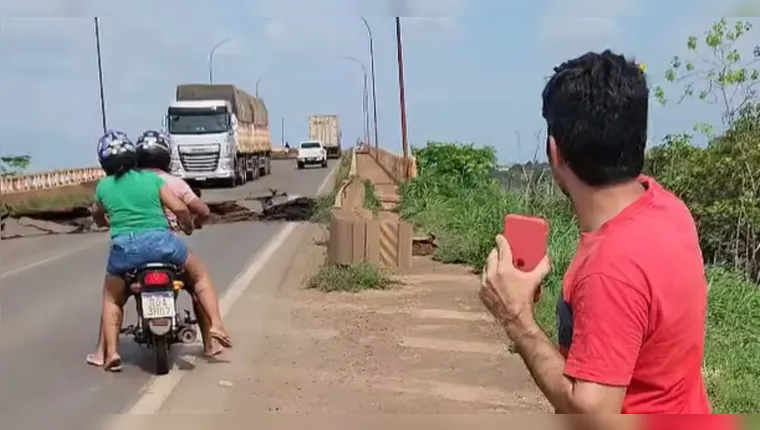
{"x":506,"y":291}
{"x":508,"y":294}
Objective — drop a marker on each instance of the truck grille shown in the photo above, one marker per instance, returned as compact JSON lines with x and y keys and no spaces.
{"x":200,"y":162}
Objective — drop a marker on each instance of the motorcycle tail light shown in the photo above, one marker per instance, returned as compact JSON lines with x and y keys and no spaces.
{"x":156,"y":279}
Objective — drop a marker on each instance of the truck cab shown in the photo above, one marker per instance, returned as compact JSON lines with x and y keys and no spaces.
{"x":311,"y":152}
{"x":204,"y":139}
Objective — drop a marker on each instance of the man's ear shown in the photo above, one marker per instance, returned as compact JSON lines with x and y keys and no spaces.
{"x":553,"y":153}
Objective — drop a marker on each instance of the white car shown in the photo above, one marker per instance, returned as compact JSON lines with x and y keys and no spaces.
{"x":311,"y":152}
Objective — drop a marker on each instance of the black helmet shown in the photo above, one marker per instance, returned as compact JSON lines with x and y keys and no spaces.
{"x":116,"y":153}
{"x":154,"y":151}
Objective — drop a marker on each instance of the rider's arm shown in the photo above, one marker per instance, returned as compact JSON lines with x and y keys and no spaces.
{"x":171,"y":201}
{"x":97,"y":210}
{"x":196,"y":206}
{"x":99,"y":215}
{"x":200,"y":209}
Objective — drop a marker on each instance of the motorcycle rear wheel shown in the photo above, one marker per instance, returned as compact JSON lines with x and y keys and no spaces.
{"x":161,"y":354}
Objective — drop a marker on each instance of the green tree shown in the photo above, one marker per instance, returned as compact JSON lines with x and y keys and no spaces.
{"x":14,"y":164}
{"x":720,"y":182}
{"x":715,"y":71}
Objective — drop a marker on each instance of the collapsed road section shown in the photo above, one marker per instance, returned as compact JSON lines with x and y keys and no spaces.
{"x":274,"y":207}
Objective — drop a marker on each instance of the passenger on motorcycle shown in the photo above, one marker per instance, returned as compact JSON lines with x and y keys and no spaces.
{"x":154,"y":155}
{"x":131,"y":202}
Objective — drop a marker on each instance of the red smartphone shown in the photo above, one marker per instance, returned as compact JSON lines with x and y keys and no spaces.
{"x":528,"y":238}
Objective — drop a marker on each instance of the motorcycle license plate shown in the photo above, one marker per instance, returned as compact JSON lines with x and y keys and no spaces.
{"x":158,"y":305}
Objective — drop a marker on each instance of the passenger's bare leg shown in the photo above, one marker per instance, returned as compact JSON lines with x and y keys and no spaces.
{"x":98,"y":357}
{"x":112,"y":316}
{"x":207,"y":297}
{"x":211,"y":347}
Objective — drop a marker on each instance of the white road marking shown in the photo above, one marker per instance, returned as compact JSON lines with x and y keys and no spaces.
{"x":66,"y":253}
{"x":159,"y":388}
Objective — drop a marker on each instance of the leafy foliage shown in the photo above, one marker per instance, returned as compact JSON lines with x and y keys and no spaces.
{"x":14,"y":165}
{"x":459,"y":163}
{"x":721,"y":186}
{"x":720,"y":183}
{"x":716,"y":71}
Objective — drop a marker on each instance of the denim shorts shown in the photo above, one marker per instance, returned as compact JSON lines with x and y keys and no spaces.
{"x":132,"y":250}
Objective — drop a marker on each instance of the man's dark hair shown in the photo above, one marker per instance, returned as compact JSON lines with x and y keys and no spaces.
{"x":596,"y":108}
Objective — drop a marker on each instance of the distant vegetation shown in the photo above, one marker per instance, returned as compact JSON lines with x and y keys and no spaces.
{"x":14,"y":164}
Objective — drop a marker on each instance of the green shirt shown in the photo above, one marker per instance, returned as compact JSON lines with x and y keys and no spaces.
{"x":132,"y":202}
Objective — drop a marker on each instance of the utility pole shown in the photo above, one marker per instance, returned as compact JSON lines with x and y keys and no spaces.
{"x":100,"y":76}
{"x":372,"y":72}
{"x":402,"y":97}
{"x":365,"y":99}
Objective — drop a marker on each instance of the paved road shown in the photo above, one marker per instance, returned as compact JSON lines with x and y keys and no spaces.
{"x":50,"y":306}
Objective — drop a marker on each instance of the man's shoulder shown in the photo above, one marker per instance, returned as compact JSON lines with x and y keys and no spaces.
{"x":177,"y":185}
{"x":658,"y":239}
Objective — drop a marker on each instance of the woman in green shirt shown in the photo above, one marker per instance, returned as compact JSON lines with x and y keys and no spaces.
{"x":131,"y":202}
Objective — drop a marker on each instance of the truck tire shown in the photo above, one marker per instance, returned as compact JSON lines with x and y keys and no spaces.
{"x":241,"y":171}
{"x":249,"y":173}
{"x":324,"y":163}
{"x":262,"y":169}
{"x":256,"y":170}
{"x":300,"y":166}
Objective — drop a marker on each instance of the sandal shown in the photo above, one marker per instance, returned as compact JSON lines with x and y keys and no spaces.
{"x":223,"y":339}
{"x":114,"y":365}
{"x":92,"y":361}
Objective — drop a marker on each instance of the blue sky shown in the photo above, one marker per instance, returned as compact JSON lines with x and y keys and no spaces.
{"x":474,"y":69}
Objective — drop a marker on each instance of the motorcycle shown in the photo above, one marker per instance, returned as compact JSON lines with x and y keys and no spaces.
{"x":156,"y":287}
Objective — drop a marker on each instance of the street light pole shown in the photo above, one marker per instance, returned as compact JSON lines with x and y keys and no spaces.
{"x":365,"y":98}
{"x":100,"y":76}
{"x":372,"y":70}
{"x":258,"y":81}
{"x":402,"y":97}
{"x":211,"y":59}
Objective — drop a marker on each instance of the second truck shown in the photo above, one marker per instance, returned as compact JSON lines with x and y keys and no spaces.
{"x":326,"y":129}
{"x":219,"y":133}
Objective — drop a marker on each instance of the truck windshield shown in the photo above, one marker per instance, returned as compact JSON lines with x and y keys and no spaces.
{"x":199,"y":123}
{"x":310,"y":145}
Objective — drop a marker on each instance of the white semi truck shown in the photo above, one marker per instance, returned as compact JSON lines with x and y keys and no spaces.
{"x":326,"y":129}
{"x":218,"y":133}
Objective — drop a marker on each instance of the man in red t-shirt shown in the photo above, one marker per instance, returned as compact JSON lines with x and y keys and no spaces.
{"x":634,"y":299}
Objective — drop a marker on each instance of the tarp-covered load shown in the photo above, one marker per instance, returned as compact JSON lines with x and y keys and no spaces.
{"x":246,"y":107}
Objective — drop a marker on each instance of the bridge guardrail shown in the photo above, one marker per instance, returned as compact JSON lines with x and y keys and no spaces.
{"x":357,"y":234}
{"x":49,"y":180}
{"x":393,"y":164}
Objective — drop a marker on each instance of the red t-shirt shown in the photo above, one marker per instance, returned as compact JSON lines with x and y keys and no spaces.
{"x":633,"y":307}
